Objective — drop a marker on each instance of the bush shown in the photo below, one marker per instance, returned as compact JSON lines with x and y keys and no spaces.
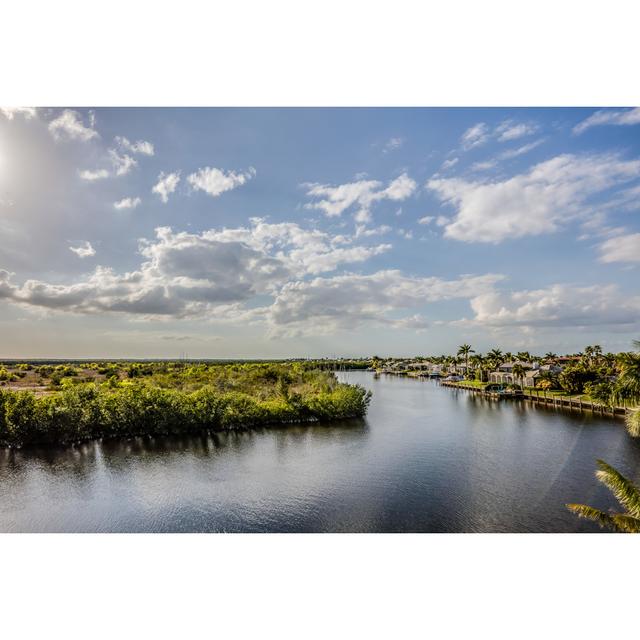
{"x":78,"y":411}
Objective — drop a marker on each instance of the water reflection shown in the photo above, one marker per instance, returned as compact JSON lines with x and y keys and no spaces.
{"x":427,"y":458}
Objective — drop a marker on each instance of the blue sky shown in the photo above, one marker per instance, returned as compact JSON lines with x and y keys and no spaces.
{"x":317,"y":232}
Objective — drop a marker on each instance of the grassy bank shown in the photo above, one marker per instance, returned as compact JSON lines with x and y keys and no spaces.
{"x":171,"y":398}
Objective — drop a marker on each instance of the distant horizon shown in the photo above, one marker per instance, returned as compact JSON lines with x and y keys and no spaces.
{"x":190,"y":358}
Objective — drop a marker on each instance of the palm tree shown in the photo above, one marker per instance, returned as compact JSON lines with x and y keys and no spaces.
{"x":465,"y":350}
{"x":478,"y":363}
{"x":550,"y":357}
{"x":518,"y":372}
{"x":626,"y":493}
{"x":523,"y":356}
{"x":628,"y":385}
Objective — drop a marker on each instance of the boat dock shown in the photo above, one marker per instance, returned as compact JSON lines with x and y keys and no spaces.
{"x":541,"y":397}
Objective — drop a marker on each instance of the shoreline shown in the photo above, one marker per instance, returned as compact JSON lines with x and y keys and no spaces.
{"x":124,"y":437}
{"x":563,"y":402}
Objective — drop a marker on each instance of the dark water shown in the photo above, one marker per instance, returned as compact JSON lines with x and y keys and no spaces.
{"x":427,"y":458}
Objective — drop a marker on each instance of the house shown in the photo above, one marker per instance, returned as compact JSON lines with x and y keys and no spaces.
{"x":504,"y":374}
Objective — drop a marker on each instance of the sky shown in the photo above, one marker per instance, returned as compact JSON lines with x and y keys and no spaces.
{"x":271,"y":232}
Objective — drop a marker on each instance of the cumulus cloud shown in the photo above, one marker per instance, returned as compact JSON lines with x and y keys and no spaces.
{"x":127,"y":203}
{"x":166,"y":185}
{"x":185,"y":274}
{"x":69,"y":126}
{"x":10,"y":113}
{"x":539,"y":201}
{"x":84,"y":251}
{"x":475,"y":136}
{"x":559,"y":305}
{"x":140,"y":146}
{"x":122,"y":163}
{"x":333,"y":200}
{"x":93,"y":175}
{"x":301,"y":251}
{"x":625,"y":248}
{"x":216,"y":181}
{"x":609,"y":117}
{"x":325,"y":305}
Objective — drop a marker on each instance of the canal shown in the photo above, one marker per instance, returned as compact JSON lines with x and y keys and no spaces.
{"x":426,"y":459}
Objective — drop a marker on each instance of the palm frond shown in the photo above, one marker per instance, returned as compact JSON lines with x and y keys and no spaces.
{"x":632,"y":420}
{"x":626,"y":493}
{"x":602,"y":518}
{"x":626,"y":523}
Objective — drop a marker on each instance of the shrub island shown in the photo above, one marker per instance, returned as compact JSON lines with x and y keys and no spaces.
{"x":73,"y":402}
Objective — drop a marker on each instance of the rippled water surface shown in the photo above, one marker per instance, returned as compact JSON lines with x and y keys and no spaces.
{"x":427,"y":458}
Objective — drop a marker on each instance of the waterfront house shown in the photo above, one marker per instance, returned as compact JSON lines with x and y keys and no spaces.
{"x":504,"y":373}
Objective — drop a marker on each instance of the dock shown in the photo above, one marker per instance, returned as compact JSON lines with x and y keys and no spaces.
{"x":541,"y":397}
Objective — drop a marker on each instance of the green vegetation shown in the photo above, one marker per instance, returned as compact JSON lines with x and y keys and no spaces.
{"x":626,"y":493}
{"x":470,"y":383}
{"x":164,"y":397}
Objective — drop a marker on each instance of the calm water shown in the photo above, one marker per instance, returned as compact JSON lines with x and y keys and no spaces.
{"x":427,"y":458}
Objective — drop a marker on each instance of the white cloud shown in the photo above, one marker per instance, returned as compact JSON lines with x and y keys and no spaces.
{"x":166,"y":185}
{"x":84,"y":251}
{"x":625,"y":248}
{"x":300,"y":251}
{"x":559,"y":305}
{"x":483,"y":165}
{"x":475,"y":136}
{"x":509,"y":130}
{"x":518,"y":151}
{"x":11,"y":112}
{"x":122,"y":164}
{"x":447,"y":164}
{"x":68,"y":125}
{"x":392,"y":144}
{"x":492,"y":163}
{"x":334,"y":200}
{"x":127,"y":203}
{"x":216,"y":181}
{"x":92,"y":176}
{"x":539,"y":201}
{"x":185,"y":274}
{"x":609,"y":117}
{"x":426,"y":220}
{"x":506,"y":131}
{"x":326,"y":305}
{"x":141,"y":146}
{"x":381,"y":230}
